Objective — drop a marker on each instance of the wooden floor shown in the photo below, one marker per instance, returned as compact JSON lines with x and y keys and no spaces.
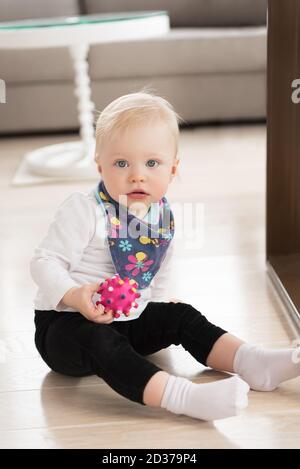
{"x":223,"y":274}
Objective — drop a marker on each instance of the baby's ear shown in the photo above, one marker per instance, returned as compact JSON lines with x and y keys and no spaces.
{"x":174,"y":168}
{"x":98,"y":165}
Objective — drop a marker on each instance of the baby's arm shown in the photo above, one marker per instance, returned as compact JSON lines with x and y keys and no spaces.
{"x":60,"y":251}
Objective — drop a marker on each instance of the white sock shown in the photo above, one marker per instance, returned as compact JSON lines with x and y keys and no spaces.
{"x":209,"y":401}
{"x":264,"y":369}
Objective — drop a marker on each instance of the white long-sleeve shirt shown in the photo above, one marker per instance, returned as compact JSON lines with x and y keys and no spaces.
{"x":75,"y":252}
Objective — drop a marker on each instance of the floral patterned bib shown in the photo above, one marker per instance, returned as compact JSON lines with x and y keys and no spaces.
{"x":137,"y":246}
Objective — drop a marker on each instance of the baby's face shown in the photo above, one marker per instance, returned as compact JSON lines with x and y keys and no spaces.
{"x":142,"y":158}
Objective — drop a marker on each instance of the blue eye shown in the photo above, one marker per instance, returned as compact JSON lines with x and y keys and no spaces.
{"x":121,"y":163}
{"x":151,"y":163}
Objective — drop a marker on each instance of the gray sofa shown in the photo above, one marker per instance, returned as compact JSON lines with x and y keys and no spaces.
{"x":211,"y":66}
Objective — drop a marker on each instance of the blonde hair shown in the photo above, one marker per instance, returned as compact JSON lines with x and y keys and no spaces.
{"x":133,"y":109}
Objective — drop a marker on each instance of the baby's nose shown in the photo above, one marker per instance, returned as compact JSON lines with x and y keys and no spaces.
{"x":137,"y":177}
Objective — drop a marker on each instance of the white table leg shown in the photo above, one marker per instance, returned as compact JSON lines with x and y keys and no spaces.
{"x":79,"y":55}
{"x":74,"y":159}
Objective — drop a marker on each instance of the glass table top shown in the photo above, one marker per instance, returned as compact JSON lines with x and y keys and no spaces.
{"x":65,"y":21}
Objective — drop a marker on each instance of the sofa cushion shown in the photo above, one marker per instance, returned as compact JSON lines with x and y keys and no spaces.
{"x":197,"y":98}
{"x":191,"y":12}
{"x":189,"y":51}
{"x":19,"y":66}
{"x":11,"y":10}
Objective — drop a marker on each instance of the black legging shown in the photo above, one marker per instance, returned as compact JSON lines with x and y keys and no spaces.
{"x":72,"y":345}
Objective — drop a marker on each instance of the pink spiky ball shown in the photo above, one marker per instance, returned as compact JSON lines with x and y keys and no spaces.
{"x":118,"y":294}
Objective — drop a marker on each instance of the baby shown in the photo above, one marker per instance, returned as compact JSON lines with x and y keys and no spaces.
{"x":125,"y":225}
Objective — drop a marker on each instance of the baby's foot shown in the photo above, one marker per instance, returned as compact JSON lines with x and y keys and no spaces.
{"x":209,"y":401}
{"x":264,"y":369}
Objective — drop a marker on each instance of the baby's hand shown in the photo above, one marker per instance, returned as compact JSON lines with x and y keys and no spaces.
{"x":175,"y":300}
{"x":80,"y":298}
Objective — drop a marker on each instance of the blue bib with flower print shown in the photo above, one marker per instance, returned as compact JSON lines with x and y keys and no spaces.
{"x":137,"y":246}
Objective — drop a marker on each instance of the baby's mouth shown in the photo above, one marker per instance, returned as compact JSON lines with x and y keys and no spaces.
{"x":137,"y":194}
{"x":140,"y":191}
